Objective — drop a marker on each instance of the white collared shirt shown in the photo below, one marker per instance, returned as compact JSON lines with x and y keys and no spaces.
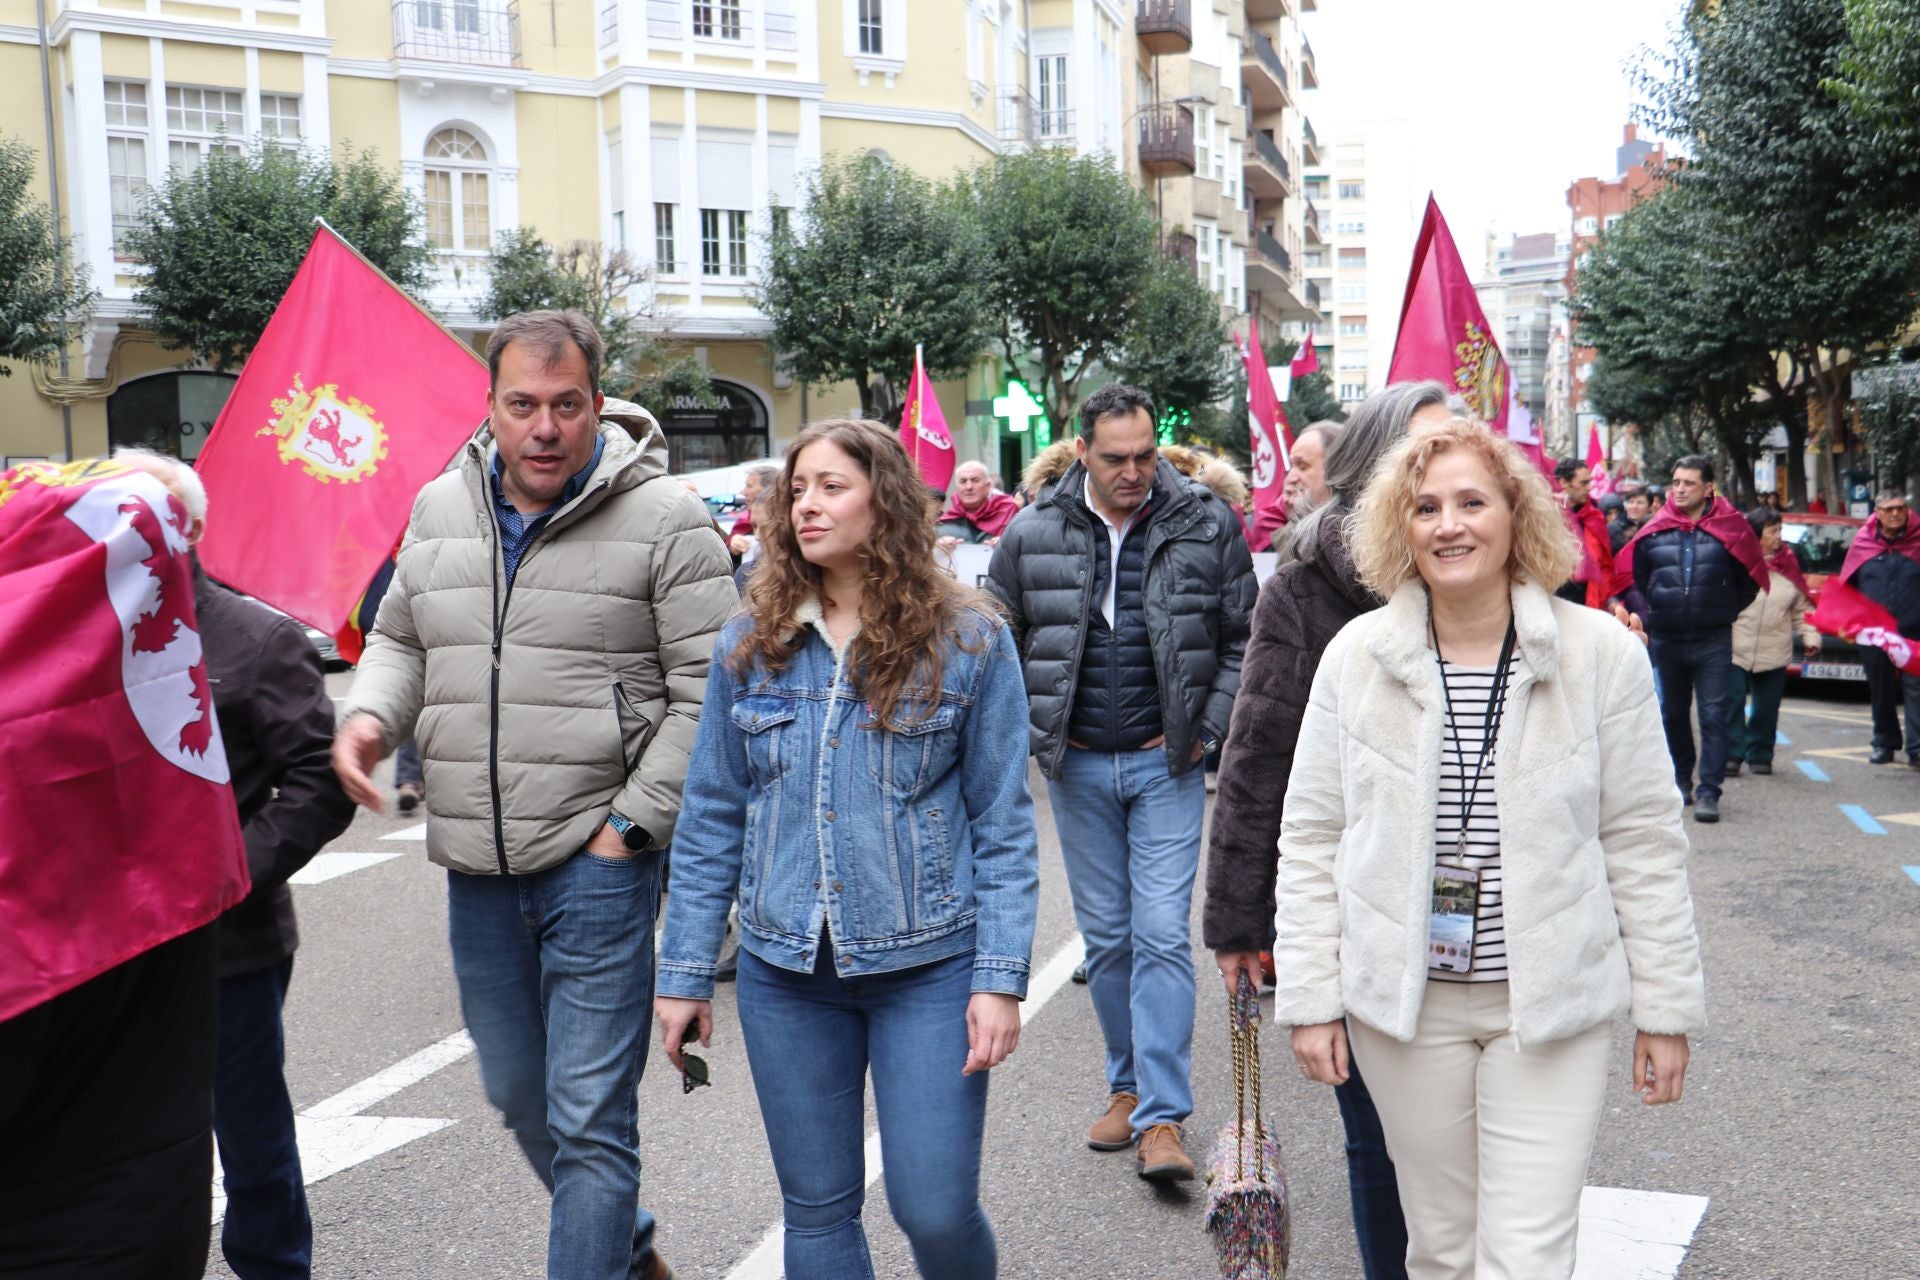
{"x":1116,"y":534}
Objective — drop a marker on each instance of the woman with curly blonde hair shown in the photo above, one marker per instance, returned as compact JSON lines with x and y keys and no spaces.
{"x":859,"y":788}
{"x":1481,"y":864}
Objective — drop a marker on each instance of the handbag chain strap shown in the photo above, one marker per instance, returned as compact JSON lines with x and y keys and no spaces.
{"x":1244,"y":1031}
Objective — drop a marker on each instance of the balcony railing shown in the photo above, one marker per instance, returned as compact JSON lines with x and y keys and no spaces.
{"x":1164,"y":26}
{"x":1269,"y":151}
{"x":466,"y":31}
{"x":1266,"y":55}
{"x":1309,"y":70}
{"x":1021,"y":119}
{"x":1309,"y":140}
{"x":1313,"y":295}
{"x":1166,"y":140}
{"x":1310,"y":222}
{"x":1273,"y":251}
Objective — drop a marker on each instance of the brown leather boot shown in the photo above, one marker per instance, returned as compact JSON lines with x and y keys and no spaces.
{"x":1114,"y":1130}
{"x":1161,"y":1156}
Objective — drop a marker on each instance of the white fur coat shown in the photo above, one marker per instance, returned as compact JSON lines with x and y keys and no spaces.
{"x":1593,"y":852}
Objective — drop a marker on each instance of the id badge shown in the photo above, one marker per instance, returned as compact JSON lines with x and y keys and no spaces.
{"x":1456,"y":899}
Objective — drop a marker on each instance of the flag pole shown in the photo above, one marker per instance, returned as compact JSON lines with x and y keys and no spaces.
{"x":917,"y":388}
{"x":367,"y":262}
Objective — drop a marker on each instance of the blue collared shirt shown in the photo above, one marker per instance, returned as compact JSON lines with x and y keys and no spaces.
{"x":517,"y":532}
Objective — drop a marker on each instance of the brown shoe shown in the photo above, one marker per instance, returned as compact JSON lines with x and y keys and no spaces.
{"x":658,"y":1269}
{"x":1161,"y":1156}
{"x":1114,"y":1130}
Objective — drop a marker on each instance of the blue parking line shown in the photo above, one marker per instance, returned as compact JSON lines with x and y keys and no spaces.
{"x":1813,"y":771}
{"x":1782,"y":738}
{"x":1862,"y":819}
{"x":1915,"y":873}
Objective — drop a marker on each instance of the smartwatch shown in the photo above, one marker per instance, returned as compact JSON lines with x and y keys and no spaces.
{"x":631,"y":833}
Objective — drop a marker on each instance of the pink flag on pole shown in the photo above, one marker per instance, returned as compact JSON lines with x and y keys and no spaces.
{"x":1307,"y":359}
{"x":1597,"y":463}
{"x":923,"y":429}
{"x":1270,"y":441}
{"x":1445,"y":335}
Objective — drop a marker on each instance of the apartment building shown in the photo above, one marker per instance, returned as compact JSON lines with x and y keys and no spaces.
{"x":676,"y":129}
{"x":1361,"y":218}
{"x":1595,"y":204}
{"x":1524,"y":294}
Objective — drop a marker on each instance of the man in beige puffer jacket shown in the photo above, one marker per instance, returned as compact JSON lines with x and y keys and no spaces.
{"x":551,"y":617}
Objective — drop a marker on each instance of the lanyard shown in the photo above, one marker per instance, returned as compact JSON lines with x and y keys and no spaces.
{"x":1496,"y":711}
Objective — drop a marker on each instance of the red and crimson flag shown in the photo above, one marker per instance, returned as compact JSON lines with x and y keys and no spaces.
{"x":1596,"y":461}
{"x":923,"y":429}
{"x":1271,"y":442}
{"x":353,"y":399}
{"x":1306,"y":360}
{"x":1445,"y":335}
{"x":1843,"y":611}
{"x":121,"y":831}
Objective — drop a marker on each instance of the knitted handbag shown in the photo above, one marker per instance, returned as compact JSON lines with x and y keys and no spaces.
{"x":1248,"y":1215}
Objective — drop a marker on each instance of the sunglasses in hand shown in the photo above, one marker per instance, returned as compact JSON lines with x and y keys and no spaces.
{"x":694,"y":1072}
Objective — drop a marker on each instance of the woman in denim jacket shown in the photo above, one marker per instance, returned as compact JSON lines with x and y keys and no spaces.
{"x":859,"y":786}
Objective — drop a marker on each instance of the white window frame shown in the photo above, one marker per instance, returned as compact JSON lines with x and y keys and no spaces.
{"x":1206,"y":252}
{"x":282,"y":109}
{"x":666,"y":241}
{"x":1052,"y":94}
{"x":724,"y":232}
{"x":460,"y":173}
{"x":129,"y":124}
{"x":891,"y":55}
{"x":1203,"y":138}
{"x":188,"y":145}
{"x":1350,"y":227}
{"x":722,"y":21}
{"x":1351,"y":189}
{"x":1351,"y":391}
{"x":1353,"y":291}
{"x":1587,"y":226}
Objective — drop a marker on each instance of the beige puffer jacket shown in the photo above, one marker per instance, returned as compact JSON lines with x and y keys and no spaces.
{"x":586,"y":697}
{"x":1763,"y":633}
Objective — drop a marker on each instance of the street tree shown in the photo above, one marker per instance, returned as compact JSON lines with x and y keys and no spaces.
{"x":1176,"y":350}
{"x":878,"y":261}
{"x":221,"y":242}
{"x":1878,"y":72}
{"x":1889,"y":402}
{"x":1311,"y":398}
{"x":1776,"y":161}
{"x":1068,"y":253}
{"x":612,"y":288}
{"x":41,"y":292}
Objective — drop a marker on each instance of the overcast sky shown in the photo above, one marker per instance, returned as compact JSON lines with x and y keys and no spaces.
{"x":1507,"y":101}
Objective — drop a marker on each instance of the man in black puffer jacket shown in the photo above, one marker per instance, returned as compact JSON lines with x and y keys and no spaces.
{"x":1130,"y":589}
{"x":1883,"y":564}
{"x":1688,"y":574}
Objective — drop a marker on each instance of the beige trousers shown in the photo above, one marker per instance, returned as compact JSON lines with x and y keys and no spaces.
{"x":1489,"y":1141}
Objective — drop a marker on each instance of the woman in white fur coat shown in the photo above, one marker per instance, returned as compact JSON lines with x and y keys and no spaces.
{"x":1482,"y":861}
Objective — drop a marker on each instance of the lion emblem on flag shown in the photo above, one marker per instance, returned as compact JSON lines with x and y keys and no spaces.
{"x":333,"y":437}
{"x":1479,"y":375}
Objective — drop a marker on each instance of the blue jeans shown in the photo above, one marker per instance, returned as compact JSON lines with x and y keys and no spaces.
{"x":1689,"y":665}
{"x":556,"y":981}
{"x":1379,"y":1225}
{"x":267,"y":1234}
{"x":406,"y":765}
{"x":810,"y":1040}
{"x":1130,"y":836}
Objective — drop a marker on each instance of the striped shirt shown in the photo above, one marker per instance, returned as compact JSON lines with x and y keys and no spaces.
{"x":1468,"y":689}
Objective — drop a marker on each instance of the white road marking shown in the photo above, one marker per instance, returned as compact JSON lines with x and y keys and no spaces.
{"x":334,"y":1136}
{"x":1635,"y":1235}
{"x":328,"y":866}
{"x":409,"y":833}
{"x":768,"y":1259}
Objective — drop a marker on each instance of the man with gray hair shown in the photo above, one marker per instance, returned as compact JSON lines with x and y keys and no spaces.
{"x":276,"y":723}
{"x":761,"y":476}
{"x":552,"y":613}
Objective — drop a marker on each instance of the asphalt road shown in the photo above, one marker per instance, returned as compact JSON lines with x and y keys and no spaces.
{"x":1799,"y":1124}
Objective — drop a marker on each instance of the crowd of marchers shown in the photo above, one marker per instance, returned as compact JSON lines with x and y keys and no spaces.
{"x":804,"y":733}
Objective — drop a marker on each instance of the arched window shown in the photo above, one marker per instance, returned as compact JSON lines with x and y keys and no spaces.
{"x":172,"y":412}
{"x":459,"y":192}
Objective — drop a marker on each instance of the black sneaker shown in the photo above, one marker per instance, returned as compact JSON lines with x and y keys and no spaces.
{"x":1706,"y":807}
{"x":1880,"y":756}
{"x":1080,"y":973}
{"x":1733,"y":768}
{"x":1760,"y":768}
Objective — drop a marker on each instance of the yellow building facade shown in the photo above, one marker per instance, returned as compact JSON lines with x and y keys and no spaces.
{"x":672,"y":128}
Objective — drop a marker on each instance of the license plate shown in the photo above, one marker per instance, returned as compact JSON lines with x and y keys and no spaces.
{"x":1833,"y":671}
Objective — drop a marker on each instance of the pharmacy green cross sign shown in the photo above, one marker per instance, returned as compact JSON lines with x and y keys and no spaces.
{"x":1021,"y":411}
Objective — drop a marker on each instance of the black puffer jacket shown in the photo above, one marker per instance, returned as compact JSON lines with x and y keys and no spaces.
{"x":1198,"y":593}
{"x":1892,"y":580}
{"x":1116,"y":705}
{"x":1302,"y":607}
{"x":1689,"y":582}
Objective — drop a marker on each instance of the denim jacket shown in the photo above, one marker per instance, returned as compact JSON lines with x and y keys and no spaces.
{"x":911,"y":846}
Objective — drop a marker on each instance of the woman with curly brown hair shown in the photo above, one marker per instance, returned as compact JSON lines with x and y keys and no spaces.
{"x":859,"y":787}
